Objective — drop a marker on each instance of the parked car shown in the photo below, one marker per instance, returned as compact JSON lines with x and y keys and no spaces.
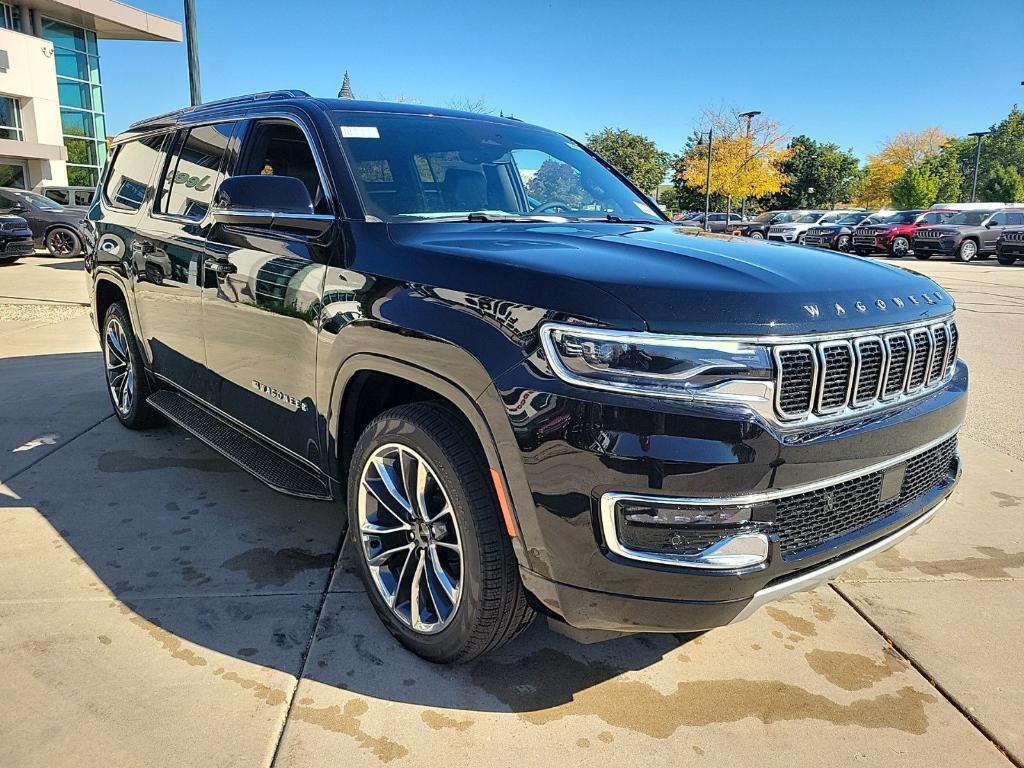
{"x":717,"y":222}
{"x":1010,"y":245}
{"x":795,"y":231}
{"x":757,"y":227}
{"x":895,"y":234}
{"x":355,"y":300}
{"x":70,"y":197}
{"x":60,"y":230}
{"x":968,"y":235}
{"x":15,"y":239}
{"x":837,"y":236}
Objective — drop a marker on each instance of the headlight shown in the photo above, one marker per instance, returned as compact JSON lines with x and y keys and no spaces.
{"x":653,"y":364}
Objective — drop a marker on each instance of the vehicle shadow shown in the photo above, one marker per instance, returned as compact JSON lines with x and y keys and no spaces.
{"x":72,"y":264}
{"x":192,"y":549}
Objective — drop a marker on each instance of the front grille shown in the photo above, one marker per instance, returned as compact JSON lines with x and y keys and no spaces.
{"x":821,"y":378}
{"x":7,"y":226}
{"x":809,"y":520}
{"x":869,"y":231}
{"x":930,"y":234}
{"x":1015,"y":237}
{"x":777,"y":230}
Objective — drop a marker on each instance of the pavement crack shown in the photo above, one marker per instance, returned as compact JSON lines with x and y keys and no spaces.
{"x":57,"y":449}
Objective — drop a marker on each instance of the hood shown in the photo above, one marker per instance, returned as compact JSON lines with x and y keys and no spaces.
{"x":681,"y":281}
{"x":67,"y":213}
{"x":953,"y":229}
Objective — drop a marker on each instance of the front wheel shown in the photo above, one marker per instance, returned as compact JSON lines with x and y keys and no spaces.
{"x":843,"y":243}
{"x":63,"y":242}
{"x":430,"y":543}
{"x":967,"y":251}
{"x":127,"y":384}
{"x":756,"y":236}
{"x":800,"y":239}
{"x":899,"y":248}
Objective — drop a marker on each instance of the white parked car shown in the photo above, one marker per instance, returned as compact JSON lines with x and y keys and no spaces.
{"x":795,"y":231}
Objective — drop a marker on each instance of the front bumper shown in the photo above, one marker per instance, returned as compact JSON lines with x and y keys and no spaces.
{"x":936,"y":246}
{"x":574,"y":453}
{"x":785,"y":237}
{"x":1012,"y":248}
{"x":820,"y":241}
{"x":17,"y":246}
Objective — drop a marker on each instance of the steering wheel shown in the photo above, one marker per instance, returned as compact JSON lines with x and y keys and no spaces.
{"x":551,"y":206}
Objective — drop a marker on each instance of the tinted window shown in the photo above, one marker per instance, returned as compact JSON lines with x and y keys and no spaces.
{"x":998,"y":220}
{"x":934,"y":217}
{"x":131,"y":172}
{"x":970,"y":218}
{"x":62,"y":196}
{"x":280,"y":148}
{"x":1014,"y":218}
{"x":192,"y":171}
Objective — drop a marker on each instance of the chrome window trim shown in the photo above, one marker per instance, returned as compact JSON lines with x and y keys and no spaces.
{"x":882,"y":370}
{"x":813,"y":398}
{"x":609,"y":500}
{"x":824,"y":372}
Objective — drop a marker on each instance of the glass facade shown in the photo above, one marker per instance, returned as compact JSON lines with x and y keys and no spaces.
{"x":10,"y":16}
{"x":81,"y":99}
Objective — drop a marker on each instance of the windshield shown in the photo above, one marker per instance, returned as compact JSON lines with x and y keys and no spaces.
{"x":851,"y":218}
{"x":902,"y":217}
{"x":418,"y":168}
{"x":37,"y":201}
{"x":970,"y":218}
{"x":767,"y":216}
{"x":809,"y":218}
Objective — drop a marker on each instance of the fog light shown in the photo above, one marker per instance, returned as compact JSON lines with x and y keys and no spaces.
{"x":697,"y":535}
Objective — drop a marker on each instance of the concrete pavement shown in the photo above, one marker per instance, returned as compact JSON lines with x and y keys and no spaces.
{"x":159,"y":607}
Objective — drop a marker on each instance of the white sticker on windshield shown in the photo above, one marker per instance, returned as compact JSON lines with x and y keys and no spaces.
{"x":645,"y":208}
{"x":359,"y":132}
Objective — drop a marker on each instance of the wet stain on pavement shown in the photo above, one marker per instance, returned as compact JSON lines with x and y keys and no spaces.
{"x":854,"y":671}
{"x":606,"y":737}
{"x":127,"y":461}
{"x":549,"y":685}
{"x":170,"y":643}
{"x":273,"y":696}
{"x":438,"y":721}
{"x":992,"y":563}
{"x":799,"y":627}
{"x":346,"y":720}
{"x":104,"y":639}
{"x":276,"y":567}
{"x":1007,"y":499}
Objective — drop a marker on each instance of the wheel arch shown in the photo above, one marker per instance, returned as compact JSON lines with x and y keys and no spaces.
{"x":367,"y":384}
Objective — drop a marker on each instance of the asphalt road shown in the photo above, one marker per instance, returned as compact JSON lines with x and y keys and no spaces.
{"x":159,"y":607}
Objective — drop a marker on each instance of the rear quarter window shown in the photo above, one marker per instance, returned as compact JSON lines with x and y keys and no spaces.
{"x":131,"y":172}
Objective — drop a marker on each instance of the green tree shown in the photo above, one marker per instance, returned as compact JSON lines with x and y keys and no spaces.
{"x":635,"y":156}
{"x":821,"y":175}
{"x":916,"y":188}
{"x":1002,"y":148}
{"x":1003,"y":185}
{"x":555,"y":180}
{"x":947,"y":167}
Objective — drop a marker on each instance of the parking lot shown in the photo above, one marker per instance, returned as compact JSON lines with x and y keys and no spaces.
{"x":159,"y":607}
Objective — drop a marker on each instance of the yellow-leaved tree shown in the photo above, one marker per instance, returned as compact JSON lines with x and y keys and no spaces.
{"x":907,"y":149}
{"x":744,"y":163}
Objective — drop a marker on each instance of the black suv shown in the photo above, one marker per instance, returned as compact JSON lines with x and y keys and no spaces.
{"x":15,"y":239}
{"x":532,"y":390}
{"x":757,"y":227}
{"x":838,"y":236}
{"x":967,"y":235}
{"x":60,"y":230}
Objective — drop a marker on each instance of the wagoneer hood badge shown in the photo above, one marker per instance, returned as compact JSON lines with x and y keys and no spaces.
{"x":880,"y":305}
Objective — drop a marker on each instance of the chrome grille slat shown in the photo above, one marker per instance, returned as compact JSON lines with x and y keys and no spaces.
{"x":836,"y":376}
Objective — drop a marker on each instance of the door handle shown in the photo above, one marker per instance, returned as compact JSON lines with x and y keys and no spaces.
{"x":142,"y":247}
{"x":220,"y":267}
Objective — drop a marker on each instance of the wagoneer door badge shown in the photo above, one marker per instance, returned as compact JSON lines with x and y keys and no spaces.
{"x":929,"y":298}
{"x":273,"y":393}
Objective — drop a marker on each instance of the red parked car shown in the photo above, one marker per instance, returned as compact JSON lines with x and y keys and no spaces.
{"x":895,"y":234}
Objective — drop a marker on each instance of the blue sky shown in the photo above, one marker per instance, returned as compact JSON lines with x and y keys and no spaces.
{"x":849,"y":73}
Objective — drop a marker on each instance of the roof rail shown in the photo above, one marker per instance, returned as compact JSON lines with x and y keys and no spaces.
{"x":249,"y":97}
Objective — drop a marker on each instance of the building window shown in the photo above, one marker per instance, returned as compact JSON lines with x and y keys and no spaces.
{"x":12,"y":174}
{"x":10,"y":17}
{"x":80,"y":93}
{"x":10,"y":119}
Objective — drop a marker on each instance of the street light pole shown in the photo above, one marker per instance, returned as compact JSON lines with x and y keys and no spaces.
{"x":707,"y":187}
{"x":750,"y":116}
{"x":192,"y":47}
{"x":977,"y":162}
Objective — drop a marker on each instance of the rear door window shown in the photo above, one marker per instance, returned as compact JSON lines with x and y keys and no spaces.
{"x":131,"y":172}
{"x":191,"y":176}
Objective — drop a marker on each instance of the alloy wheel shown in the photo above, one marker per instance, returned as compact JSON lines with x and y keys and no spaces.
{"x":120,"y":370}
{"x":900,"y":246}
{"x":968,"y":250}
{"x":843,"y":244}
{"x":757,"y":236}
{"x":61,"y":242}
{"x":410,"y":538}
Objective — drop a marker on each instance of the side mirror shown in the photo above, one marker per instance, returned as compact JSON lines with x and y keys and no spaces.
{"x":17,"y":208}
{"x":263,"y":201}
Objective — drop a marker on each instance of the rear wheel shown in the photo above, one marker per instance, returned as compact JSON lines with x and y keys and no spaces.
{"x":843,"y":243}
{"x":127,"y":384}
{"x":967,"y":251}
{"x":431,"y":547}
{"x":899,"y":247}
{"x":1005,"y":258}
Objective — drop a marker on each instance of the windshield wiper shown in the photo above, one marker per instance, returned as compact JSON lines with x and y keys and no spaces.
{"x":611,"y":217}
{"x":490,"y":217}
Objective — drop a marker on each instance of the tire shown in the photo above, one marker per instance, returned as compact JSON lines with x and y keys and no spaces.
{"x":121,"y":355}
{"x":967,"y":251}
{"x":487,"y":607}
{"x":63,"y":242}
{"x":899,"y":247}
{"x":843,"y":243}
{"x":1006,"y":259}
{"x":922,"y":256}
{"x":800,"y":239}
{"x":756,"y":236}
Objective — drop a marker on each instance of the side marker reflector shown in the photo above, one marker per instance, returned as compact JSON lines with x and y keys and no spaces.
{"x":506,"y":512}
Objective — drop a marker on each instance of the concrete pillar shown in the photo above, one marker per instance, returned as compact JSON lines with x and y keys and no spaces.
{"x":26,"y":19}
{"x":37,"y":24}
